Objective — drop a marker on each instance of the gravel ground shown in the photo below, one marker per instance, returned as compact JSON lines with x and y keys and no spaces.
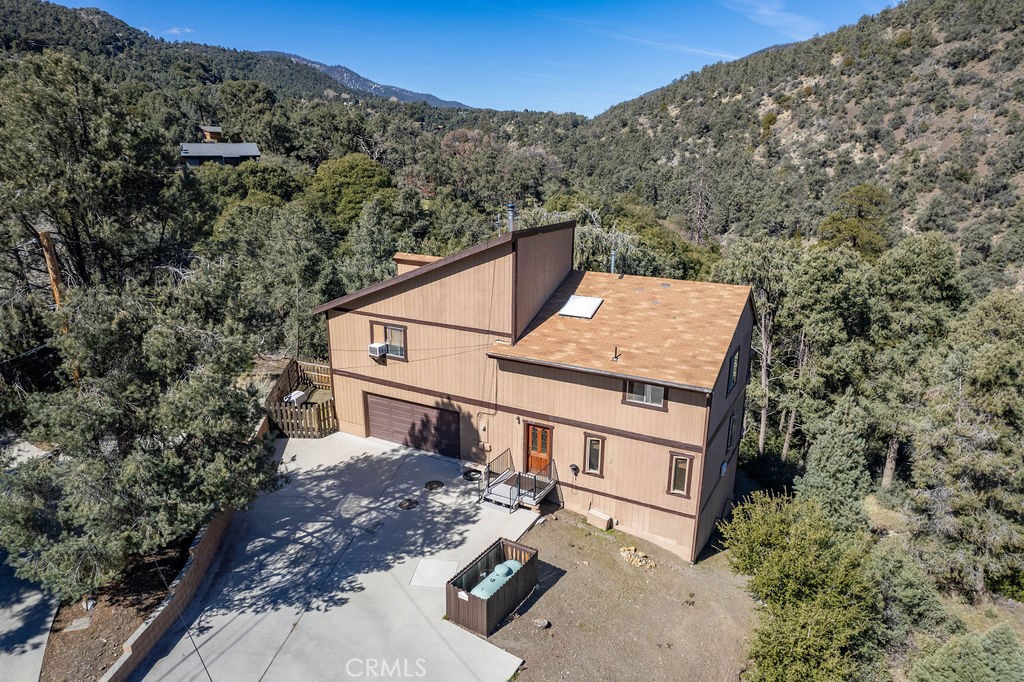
{"x":611,"y":620}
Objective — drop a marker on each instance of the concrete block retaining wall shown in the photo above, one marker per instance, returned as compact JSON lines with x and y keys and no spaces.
{"x":183,"y":589}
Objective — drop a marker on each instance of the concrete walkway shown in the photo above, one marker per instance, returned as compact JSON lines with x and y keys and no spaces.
{"x":323,"y":579}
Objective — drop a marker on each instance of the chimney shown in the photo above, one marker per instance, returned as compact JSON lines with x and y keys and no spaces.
{"x":404,"y":262}
{"x":511,"y":215}
{"x":613,"y":261}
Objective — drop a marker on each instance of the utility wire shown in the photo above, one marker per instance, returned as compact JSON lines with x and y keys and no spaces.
{"x":181,"y":620}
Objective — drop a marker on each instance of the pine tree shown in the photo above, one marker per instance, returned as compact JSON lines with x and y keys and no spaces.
{"x":836,"y":474}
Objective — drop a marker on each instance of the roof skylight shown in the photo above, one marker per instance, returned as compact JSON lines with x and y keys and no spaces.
{"x":581,"y":306}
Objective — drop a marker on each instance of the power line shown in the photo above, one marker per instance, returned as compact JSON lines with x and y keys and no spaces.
{"x":156,"y":562}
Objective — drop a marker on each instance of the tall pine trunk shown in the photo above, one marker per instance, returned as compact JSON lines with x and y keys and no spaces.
{"x":766,"y":354}
{"x":891,"y":452}
{"x":802,"y":356}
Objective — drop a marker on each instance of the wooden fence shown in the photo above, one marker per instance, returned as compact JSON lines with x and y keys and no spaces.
{"x":308,"y":420}
{"x":482,"y":616}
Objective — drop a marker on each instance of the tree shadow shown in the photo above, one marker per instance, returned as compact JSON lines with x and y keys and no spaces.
{"x":309,"y":546}
{"x":28,"y":612}
{"x":547,"y":576}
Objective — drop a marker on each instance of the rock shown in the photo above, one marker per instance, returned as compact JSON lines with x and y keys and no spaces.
{"x":541,"y":624}
{"x":637,"y":558}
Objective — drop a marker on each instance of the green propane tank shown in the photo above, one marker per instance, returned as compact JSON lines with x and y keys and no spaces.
{"x":498,"y":577}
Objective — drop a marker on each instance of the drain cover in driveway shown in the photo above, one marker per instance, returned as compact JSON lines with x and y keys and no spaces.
{"x":433,"y":572}
{"x":408,"y":503}
{"x":434,"y":485}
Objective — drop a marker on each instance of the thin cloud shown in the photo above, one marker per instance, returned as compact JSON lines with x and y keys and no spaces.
{"x":671,"y":47}
{"x":178,"y":30}
{"x":771,"y":13}
{"x":594,"y":27}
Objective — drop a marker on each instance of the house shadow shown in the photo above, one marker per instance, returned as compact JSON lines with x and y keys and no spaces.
{"x":547,"y":576}
{"x":310,"y":545}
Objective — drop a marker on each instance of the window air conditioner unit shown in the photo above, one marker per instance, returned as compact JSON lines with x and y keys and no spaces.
{"x":377,"y":350}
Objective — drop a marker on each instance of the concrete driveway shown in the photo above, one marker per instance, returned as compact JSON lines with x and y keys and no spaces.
{"x":324,"y":579}
{"x":26,"y":613}
{"x":25,"y":617}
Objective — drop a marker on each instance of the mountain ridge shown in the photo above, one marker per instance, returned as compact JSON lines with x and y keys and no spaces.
{"x":359,"y":83}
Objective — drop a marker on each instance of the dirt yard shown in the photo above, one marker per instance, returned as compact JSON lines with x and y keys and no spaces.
{"x":85,"y":655}
{"x":611,"y":620}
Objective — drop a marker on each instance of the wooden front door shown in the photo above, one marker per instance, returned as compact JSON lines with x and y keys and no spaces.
{"x":538,"y":447}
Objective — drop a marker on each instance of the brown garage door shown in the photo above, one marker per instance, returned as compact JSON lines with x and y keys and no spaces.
{"x":427,"y":428}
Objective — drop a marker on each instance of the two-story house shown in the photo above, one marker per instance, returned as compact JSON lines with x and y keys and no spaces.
{"x":628,"y":391}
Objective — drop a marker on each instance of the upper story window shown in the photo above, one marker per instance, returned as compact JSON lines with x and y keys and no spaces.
{"x":733,"y":431}
{"x":645,"y":394}
{"x":394,"y":336}
{"x":391,"y":335}
{"x":734,"y":370}
{"x":593,"y":455}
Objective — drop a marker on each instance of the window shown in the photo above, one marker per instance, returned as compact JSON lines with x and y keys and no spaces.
{"x":645,"y":394}
{"x":679,"y":474}
{"x":391,"y":335}
{"x":395,"y":338}
{"x":734,"y":370}
{"x":593,"y":454}
{"x":731,"y":441}
{"x":723,"y":469}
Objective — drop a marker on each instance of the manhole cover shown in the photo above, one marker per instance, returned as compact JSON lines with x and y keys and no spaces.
{"x":472,"y":475}
{"x":434,"y":485}
{"x":408,"y":503}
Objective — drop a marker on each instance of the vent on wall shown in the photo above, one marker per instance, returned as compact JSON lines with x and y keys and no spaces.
{"x":581,"y":306}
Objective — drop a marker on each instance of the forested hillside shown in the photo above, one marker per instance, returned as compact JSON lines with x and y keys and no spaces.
{"x":866,"y":184}
{"x":925,"y":100}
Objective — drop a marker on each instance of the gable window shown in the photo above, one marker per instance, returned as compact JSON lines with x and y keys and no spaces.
{"x":593,"y":454}
{"x":679,"y":474}
{"x":645,"y":394}
{"x":734,"y":370}
{"x":394,"y":336}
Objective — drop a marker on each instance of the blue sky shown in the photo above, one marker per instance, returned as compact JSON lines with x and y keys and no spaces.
{"x":559,"y":56}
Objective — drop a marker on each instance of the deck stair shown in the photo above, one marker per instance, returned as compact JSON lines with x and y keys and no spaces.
{"x":508,"y":489}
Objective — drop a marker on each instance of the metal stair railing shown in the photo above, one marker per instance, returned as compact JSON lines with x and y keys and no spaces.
{"x":496,"y":468}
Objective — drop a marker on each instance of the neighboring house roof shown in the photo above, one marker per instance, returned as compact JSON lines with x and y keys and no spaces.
{"x":227,"y":150}
{"x":667,"y":331}
{"x":211,"y":129}
{"x":354,"y":298}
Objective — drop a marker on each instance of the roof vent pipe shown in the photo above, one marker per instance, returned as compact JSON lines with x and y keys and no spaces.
{"x":511,"y":214}
{"x":613,"y":261}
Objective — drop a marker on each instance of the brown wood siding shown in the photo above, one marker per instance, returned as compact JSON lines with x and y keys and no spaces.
{"x":722,"y":400}
{"x":596,"y":400}
{"x":419,"y":426}
{"x":475,"y":292}
{"x":541,"y":263}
